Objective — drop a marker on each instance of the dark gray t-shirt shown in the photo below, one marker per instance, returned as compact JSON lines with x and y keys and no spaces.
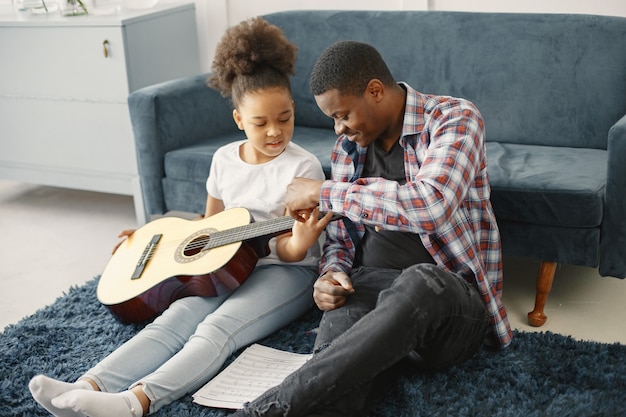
{"x":383,"y":248}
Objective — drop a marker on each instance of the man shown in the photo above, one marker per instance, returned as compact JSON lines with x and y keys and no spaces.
{"x":415,"y":268}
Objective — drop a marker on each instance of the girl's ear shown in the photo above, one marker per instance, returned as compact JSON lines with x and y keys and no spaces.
{"x":237,"y":118}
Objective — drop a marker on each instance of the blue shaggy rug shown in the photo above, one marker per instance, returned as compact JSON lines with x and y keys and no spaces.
{"x":541,"y":374}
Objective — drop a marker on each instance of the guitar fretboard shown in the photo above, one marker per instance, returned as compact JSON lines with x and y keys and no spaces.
{"x":250,"y":231}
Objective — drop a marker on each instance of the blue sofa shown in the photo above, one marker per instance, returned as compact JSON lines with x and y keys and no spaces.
{"x":551,"y":88}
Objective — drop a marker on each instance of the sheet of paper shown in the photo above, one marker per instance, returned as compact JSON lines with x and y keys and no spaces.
{"x":257,"y":369}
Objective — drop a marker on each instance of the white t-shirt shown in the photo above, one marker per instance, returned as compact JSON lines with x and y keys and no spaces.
{"x":261,"y":188}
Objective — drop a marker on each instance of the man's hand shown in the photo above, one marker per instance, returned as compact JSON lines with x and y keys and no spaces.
{"x":303,"y":194}
{"x":331,"y":290}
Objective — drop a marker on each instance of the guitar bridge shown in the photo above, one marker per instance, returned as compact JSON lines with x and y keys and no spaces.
{"x":146,"y":256}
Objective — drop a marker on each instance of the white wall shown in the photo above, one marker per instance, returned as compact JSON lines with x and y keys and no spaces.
{"x":603,"y":7}
{"x":214,"y":16}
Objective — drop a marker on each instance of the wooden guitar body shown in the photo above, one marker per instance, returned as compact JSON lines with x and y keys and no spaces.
{"x":170,"y":258}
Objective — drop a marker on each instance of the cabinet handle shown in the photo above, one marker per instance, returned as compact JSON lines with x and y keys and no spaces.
{"x":105,"y":47}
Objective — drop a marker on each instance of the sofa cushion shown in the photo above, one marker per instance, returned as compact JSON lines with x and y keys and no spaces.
{"x":193,"y":163}
{"x":545,"y":185}
{"x":523,"y":177}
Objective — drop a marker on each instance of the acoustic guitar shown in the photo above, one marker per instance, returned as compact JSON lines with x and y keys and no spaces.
{"x":170,"y":258}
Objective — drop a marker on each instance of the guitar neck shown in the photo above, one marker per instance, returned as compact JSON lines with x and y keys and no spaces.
{"x":250,"y":231}
{"x":271,"y":227}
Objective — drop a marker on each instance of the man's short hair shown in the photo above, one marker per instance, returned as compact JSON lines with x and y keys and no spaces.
{"x":348,"y":66}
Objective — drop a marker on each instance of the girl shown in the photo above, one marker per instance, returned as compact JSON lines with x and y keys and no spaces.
{"x":188,"y":344}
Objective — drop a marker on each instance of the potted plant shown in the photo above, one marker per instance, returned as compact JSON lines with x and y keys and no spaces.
{"x":72,"y":7}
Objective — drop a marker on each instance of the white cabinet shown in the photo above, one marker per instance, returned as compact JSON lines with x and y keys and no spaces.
{"x":64,"y":83}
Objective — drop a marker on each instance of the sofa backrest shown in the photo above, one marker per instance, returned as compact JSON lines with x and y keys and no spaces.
{"x":543,"y":79}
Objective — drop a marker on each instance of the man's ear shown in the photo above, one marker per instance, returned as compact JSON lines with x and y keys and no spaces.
{"x":237,"y":119}
{"x":375,"y":90}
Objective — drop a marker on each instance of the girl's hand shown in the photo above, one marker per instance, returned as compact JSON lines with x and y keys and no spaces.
{"x":125,"y":234}
{"x":293,"y":247}
{"x":307,"y":232}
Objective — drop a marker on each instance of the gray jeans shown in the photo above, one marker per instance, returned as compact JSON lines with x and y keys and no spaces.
{"x":188,"y":344}
{"x":421,"y":311}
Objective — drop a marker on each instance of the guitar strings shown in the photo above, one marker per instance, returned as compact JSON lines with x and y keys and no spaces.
{"x":241,"y":233}
{"x":237,"y":234}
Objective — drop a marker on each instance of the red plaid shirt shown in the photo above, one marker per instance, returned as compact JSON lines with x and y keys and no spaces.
{"x":445,"y":199}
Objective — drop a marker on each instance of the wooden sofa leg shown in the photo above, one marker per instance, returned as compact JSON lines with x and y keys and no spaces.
{"x":547,"y":269}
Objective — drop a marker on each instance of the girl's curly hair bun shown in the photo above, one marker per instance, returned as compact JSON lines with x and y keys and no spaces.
{"x":254,"y":50}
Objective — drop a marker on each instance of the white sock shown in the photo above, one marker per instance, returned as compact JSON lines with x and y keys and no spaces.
{"x":100,"y":404}
{"x":44,"y":389}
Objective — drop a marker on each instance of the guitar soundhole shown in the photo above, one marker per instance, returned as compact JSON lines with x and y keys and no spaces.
{"x":195,"y":246}
{"x":191,"y":249}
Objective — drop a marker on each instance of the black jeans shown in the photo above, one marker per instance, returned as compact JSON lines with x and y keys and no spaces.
{"x":421,"y":310}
